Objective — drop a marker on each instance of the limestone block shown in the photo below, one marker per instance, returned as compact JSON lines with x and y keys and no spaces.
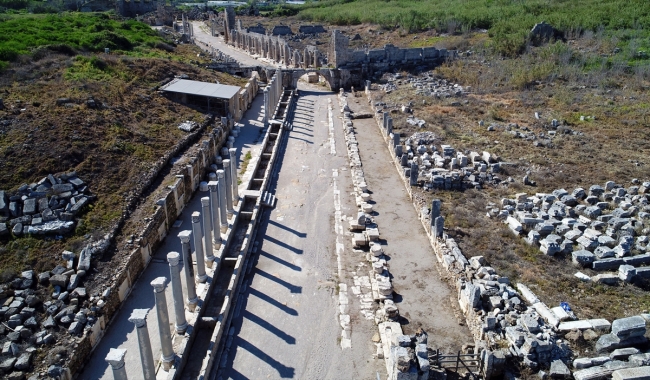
{"x":639,"y":373}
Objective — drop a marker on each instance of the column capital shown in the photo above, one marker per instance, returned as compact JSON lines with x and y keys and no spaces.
{"x":159,"y":284}
{"x":220,"y":172}
{"x":185,"y":236}
{"x":173,"y":258}
{"x":139,"y":317}
{"x":232,"y":151}
{"x":115,"y":358}
{"x":205,"y":201}
{"x":196,"y":217}
{"x":212,"y":185}
{"x":226,"y":164}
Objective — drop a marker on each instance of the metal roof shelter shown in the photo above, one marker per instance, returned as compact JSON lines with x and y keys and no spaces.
{"x":225,"y":99}
{"x":193,"y":87}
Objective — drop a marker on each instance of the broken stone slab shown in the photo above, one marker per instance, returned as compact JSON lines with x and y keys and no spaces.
{"x":610,"y":342}
{"x":546,"y":313}
{"x":610,"y":263}
{"x":600,"y":372}
{"x":623,"y":353}
{"x":640,"y":359}
{"x":582,"y":363}
{"x":606,"y":278}
{"x":629,"y":327}
{"x":59,"y":280}
{"x":559,"y":370}
{"x":53,"y":227}
{"x":639,"y":373}
{"x":527,"y":294}
{"x":583,"y":258}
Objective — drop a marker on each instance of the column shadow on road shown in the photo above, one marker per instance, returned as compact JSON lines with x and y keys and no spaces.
{"x":268,"y":326}
{"x":280,"y":261}
{"x":283,"y":370}
{"x":268,"y":299}
{"x":292,"y":288}
{"x":297,"y":233}
{"x":284,"y":245}
{"x":298,"y":138}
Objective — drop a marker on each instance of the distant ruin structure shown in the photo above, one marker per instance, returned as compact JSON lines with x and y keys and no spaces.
{"x":311,"y":29}
{"x":133,"y":8}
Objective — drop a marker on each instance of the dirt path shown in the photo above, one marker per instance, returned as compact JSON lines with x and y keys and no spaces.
{"x":424,"y":299}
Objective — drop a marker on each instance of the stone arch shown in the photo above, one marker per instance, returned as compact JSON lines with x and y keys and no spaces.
{"x":329,"y":75}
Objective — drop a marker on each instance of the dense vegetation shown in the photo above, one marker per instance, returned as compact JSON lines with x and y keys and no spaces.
{"x":507,"y":21}
{"x":66,"y":32}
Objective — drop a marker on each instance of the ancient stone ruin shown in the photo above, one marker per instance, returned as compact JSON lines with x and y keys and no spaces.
{"x":48,"y":207}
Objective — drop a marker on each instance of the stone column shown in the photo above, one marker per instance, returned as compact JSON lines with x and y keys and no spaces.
{"x":439,"y":224}
{"x":214,"y":202}
{"x":207,"y":226}
{"x":389,"y":126}
{"x":163,"y":322}
{"x":435,"y":210}
{"x":115,"y":358}
{"x":228,"y":173}
{"x":267,"y":106}
{"x":233,"y":168}
{"x":188,"y":269}
{"x":223,"y":199}
{"x":177,"y":292}
{"x":139,"y":318}
{"x":413,"y":180}
{"x":198,"y":247}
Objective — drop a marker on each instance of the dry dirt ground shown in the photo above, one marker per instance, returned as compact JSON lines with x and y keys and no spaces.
{"x":112,"y":146}
{"x":609,"y":144}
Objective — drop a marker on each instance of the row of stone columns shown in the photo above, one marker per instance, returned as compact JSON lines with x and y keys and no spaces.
{"x":272,"y":95}
{"x":216,"y":209}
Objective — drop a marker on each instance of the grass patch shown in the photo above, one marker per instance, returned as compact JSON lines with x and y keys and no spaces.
{"x":508,"y":22}
{"x":244,"y":165}
{"x":66,"y":32}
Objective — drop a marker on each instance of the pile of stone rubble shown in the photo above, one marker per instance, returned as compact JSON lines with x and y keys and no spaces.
{"x":46,"y":207}
{"x":424,"y":84}
{"x":603,"y":228}
{"x":28,"y":321}
{"x":440,"y":166}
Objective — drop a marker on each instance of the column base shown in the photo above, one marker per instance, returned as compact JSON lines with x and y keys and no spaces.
{"x":167,"y":363}
{"x":180,"y":329}
{"x":230,"y":213}
{"x":224,"y":229}
{"x":202,"y":279}
{"x":209,"y":261}
{"x":191,"y":304}
{"x":235,"y":201}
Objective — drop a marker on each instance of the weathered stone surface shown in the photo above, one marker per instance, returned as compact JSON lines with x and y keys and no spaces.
{"x":582,"y":258}
{"x":640,"y":373}
{"x":610,"y":342}
{"x":59,"y":280}
{"x":623,"y":353}
{"x":559,"y":370}
{"x":23,"y":362}
{"x":629,"y":327}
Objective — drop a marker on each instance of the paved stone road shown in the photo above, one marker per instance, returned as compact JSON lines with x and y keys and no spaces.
{"x":203,"y":36}
{"x":287,"y":325}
